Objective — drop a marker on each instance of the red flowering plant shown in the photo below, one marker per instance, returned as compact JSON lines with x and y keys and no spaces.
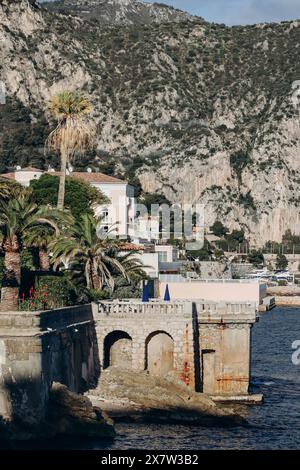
{"x":37,"y":299}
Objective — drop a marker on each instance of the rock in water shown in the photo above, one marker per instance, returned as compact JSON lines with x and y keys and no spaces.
{"x":72,"y":414}
{"x":128,"y":395}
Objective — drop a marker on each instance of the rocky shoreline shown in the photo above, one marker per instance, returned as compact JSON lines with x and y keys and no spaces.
{"x":121,"y":396}
{"x":138,"y":397}
{"x":68,"y":414}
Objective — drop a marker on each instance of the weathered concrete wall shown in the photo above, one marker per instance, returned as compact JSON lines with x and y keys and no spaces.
{"x":230,"y":345}
{"x":39,"y":348}
{"x":211,"y":342}
{"x":141,"y":324}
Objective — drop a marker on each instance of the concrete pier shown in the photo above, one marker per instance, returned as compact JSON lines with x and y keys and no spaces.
{"x":207,"y":345}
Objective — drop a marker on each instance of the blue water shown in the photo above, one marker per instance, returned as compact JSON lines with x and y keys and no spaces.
{"x":273,"y":425}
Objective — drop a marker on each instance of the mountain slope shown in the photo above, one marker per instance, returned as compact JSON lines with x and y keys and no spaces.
{"x":199,"y":112}
{"x":123,"y":12}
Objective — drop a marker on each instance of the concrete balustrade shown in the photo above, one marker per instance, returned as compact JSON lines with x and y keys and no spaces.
{"x":157,"y":307}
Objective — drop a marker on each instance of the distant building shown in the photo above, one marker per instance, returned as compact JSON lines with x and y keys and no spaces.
{"x":146,"y":228}
{"x":23,"y":176}
{"x":121,"y":208}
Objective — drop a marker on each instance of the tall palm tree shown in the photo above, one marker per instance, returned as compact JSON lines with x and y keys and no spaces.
{"x":72,"y":134}
{"x":92,"y":252}
{"x":18,"y":216}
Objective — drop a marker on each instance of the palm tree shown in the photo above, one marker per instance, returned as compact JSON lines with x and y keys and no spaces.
{"x":18,"y":216}
{"x":72,"y":135}
{"x":4,"y":188}
{"x":133,"y":266}
{"x":91,"y":252}
{"x":9,"y":188}
{"x":42,"y":236}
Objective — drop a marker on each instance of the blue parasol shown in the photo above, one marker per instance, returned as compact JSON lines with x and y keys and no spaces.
{"x":167,"y":297}
{"x":146,"y":296}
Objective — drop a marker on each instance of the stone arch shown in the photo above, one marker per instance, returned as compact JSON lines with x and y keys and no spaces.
{"x":159,"y":353}
{"x":117,"y":350}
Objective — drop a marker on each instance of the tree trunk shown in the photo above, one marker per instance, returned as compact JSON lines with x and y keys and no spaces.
{"x":9,"y":299}
{"x":62,"y":181}
{"x":12,"y":263}
{"x":12,"y":275}
{"x":44,"y":259}
{"x":92,"y":277}
{"x":96,"y":282}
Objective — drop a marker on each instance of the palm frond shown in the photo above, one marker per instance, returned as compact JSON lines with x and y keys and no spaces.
{"x":72,"y":134}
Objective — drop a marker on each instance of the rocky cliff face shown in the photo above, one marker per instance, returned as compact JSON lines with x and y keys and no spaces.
{"x":124,"y":12}
{"x":200,"y":112}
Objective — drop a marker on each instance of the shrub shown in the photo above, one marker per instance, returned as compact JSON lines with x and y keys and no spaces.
{"x":218,"y":254}
{"x":61,"y":291}
{"x":239,"y":161}
{"x":256,"y":258}
{"x":96,"y":295}
{"x":236,"y":237}
{"x":79,"y":195}
{"x":281,"y":262}
{"x":37,"y":300}
{"x":125,"y":290}
{"x":218,"y":229}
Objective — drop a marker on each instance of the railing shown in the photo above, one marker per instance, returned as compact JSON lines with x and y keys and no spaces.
{"x":228,"y":308}
{"x":178,"y":278}
{"x":156,"y":306}
{"x":138,"y":307}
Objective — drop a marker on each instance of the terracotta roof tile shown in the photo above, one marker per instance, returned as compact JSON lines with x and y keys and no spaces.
{"x":131,"y":247}
{"x":92,"y":177}
{"x":10,"y":176}
{"x":31,"y":168}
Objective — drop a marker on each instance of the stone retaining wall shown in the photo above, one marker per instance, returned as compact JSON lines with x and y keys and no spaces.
{"x":38,"y":348}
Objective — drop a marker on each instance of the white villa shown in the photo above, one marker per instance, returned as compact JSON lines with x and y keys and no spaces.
{"x":121,"y":208}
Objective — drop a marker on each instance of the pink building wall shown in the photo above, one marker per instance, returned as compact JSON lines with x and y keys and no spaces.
{"x":215,"y":291}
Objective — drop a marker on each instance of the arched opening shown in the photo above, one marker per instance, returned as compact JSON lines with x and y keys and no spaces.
{"x":118,"y":350}
{"x":159,"y":353}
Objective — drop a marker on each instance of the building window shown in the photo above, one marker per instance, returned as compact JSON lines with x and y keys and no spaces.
{"x":104,"y":215}
{"x":162,"y":256}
